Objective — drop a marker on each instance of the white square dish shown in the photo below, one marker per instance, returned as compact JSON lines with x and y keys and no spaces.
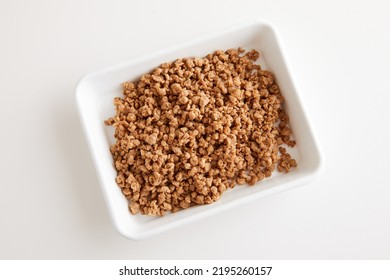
{"x":95,"y":93}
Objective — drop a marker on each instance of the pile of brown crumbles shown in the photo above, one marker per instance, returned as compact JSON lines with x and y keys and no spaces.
{"x":191,"y":129}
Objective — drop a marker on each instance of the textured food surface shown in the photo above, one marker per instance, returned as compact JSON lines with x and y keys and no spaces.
{"x":192,"y":128}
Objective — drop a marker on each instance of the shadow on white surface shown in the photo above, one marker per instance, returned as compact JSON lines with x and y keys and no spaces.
{"x":84,"y":187}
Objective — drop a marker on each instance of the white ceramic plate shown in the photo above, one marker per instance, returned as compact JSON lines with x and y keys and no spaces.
{"x":95,"y":93}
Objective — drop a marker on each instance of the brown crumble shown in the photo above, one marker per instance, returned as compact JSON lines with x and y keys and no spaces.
{"x":192,"y":128}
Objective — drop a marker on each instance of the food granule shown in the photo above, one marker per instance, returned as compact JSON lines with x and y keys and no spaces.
{"x":191,"y":129}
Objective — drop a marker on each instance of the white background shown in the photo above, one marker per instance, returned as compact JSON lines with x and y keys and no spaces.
{"x":50,"y":202}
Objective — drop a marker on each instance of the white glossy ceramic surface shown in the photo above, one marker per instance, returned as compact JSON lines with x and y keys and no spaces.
{"x":95,"y":93}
